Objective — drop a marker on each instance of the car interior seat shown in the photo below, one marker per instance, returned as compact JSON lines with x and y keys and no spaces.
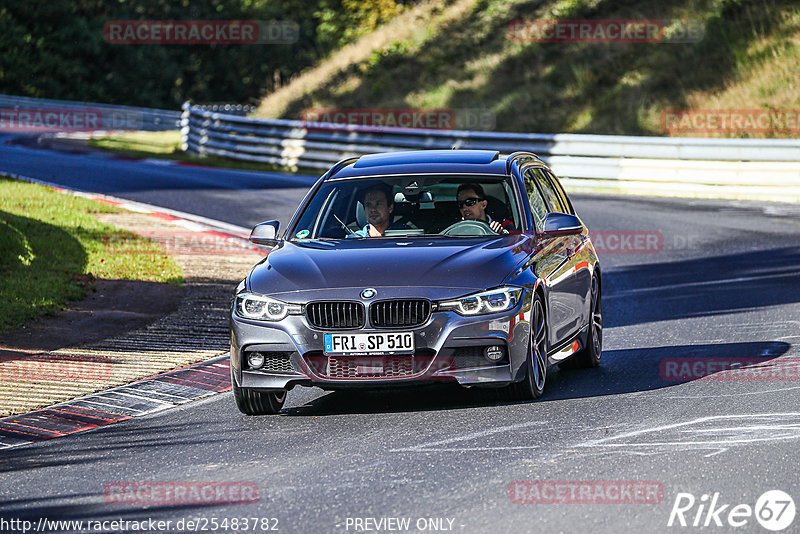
{"x":496,"y":208}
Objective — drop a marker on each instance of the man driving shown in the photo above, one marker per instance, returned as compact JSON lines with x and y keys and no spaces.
{"x":472,"y":205}
{"x":378,"y":206}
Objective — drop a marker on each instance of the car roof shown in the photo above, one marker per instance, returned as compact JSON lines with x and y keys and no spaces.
{"x":425,"y":161}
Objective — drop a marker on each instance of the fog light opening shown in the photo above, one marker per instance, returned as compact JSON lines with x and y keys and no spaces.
{"x":494,"y":353}
{"x":255,"y":360}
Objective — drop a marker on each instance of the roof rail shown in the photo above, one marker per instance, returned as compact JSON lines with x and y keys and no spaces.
{"x":519,"y":155}
{"x":341,"y":164}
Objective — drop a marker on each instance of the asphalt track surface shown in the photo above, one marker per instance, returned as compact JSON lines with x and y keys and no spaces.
{"x":721,"y":283}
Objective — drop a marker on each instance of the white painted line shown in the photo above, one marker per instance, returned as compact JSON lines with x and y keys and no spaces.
{"x":432,"y":446}
{"x":729,"y":436}
{"x":94,"y":402}
{"x":713,"y":444}
{"x":190,"y":225}
{"x":700,"y":284}
{"x":748,"y":428}
{"x":601,"y":441}
{"x":137,"y":209}
{"x":142,"y":397}
{"x":734,"y":394}
{"x":470,"y":449}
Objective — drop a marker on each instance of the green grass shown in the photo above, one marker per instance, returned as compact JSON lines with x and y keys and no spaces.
{"x":747,"y":59}
{"x":50,"y":242}
{"x":167,"y":145}
{"x":150,"y":143}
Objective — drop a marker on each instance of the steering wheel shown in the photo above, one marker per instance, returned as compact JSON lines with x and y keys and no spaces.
{"x":469,"y":227}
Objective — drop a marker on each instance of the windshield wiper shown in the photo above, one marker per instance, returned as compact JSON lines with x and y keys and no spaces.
{"x":347,"y":229}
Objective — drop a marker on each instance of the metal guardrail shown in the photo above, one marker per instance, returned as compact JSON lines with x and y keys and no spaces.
{"x":24,"y":114}
{"x":240,"y":110}
{"x":762,"y":168}
{"x":767,"y":169}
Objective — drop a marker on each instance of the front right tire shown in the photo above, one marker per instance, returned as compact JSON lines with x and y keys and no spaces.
{"x":254,"y":402}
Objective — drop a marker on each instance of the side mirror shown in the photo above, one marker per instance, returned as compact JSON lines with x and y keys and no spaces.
{"x":265,"y":233}
{"x":561,"y":224}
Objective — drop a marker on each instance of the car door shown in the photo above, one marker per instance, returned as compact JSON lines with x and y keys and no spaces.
{"x":579,"y":258}
{"x":555,"y":265}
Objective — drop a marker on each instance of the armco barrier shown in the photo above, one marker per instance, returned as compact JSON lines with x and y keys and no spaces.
{"x":23,"y":114}
{"x":762,"y":169}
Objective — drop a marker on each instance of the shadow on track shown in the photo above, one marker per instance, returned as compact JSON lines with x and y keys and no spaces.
{"x":645,"y":369}
{"x":622,"y":371}
{"x":417,"y":399}
{"x":701,"y":287}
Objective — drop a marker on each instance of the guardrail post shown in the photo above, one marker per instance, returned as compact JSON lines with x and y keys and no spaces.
{"x":185,"y":128}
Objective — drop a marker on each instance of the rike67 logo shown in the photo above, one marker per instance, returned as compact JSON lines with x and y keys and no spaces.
{"x":774,"y":510}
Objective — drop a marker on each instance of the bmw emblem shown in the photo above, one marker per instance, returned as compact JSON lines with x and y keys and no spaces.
{"x":368,"y":293}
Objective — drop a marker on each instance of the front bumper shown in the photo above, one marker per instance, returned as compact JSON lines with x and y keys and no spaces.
{"x":448,"y":348}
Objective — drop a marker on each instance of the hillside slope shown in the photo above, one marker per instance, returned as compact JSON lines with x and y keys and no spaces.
{"x":462,"y":55}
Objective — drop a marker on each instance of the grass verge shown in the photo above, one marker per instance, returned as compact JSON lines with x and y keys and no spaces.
{"x":167,"y":145}
{"x":51,"y":248}
{"x":466,"y":56}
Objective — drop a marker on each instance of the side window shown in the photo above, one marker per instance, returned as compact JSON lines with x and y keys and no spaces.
{"x":538,"y":206}
{"x":554,"y":202}
{"x":561,"y":194}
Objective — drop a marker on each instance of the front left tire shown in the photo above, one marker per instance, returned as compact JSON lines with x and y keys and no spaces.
{"x":254,"y":402}
{"x":532,"y":387}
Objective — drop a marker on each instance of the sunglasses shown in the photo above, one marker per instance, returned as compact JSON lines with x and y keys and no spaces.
{"x":468,"y":202}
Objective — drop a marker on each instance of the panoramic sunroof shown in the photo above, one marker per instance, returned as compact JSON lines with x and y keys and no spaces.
{"x":427,"y":156}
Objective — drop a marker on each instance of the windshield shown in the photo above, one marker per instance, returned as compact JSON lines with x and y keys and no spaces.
{"x":408,"y":206}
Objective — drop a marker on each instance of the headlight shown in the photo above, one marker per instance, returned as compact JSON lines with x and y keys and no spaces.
{"x":252,"y":306}
{"x":492,"y":301}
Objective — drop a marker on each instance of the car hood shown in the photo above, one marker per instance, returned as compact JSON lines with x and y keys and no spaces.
{"x":462,"y":263}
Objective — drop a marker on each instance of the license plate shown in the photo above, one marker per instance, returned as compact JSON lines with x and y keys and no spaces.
{"x":376,"y":343}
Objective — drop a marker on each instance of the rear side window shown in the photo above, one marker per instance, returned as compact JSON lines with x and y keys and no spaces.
{"x":554,"y":202}
{"x":539,"y":208}
{"x":561,"y":193}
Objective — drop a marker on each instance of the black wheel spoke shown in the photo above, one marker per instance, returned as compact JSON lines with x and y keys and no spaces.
{"x":538,"y":347}
{"x":541,"y":370}
{"x":597,"y":320}
{"x":539,"y":337}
